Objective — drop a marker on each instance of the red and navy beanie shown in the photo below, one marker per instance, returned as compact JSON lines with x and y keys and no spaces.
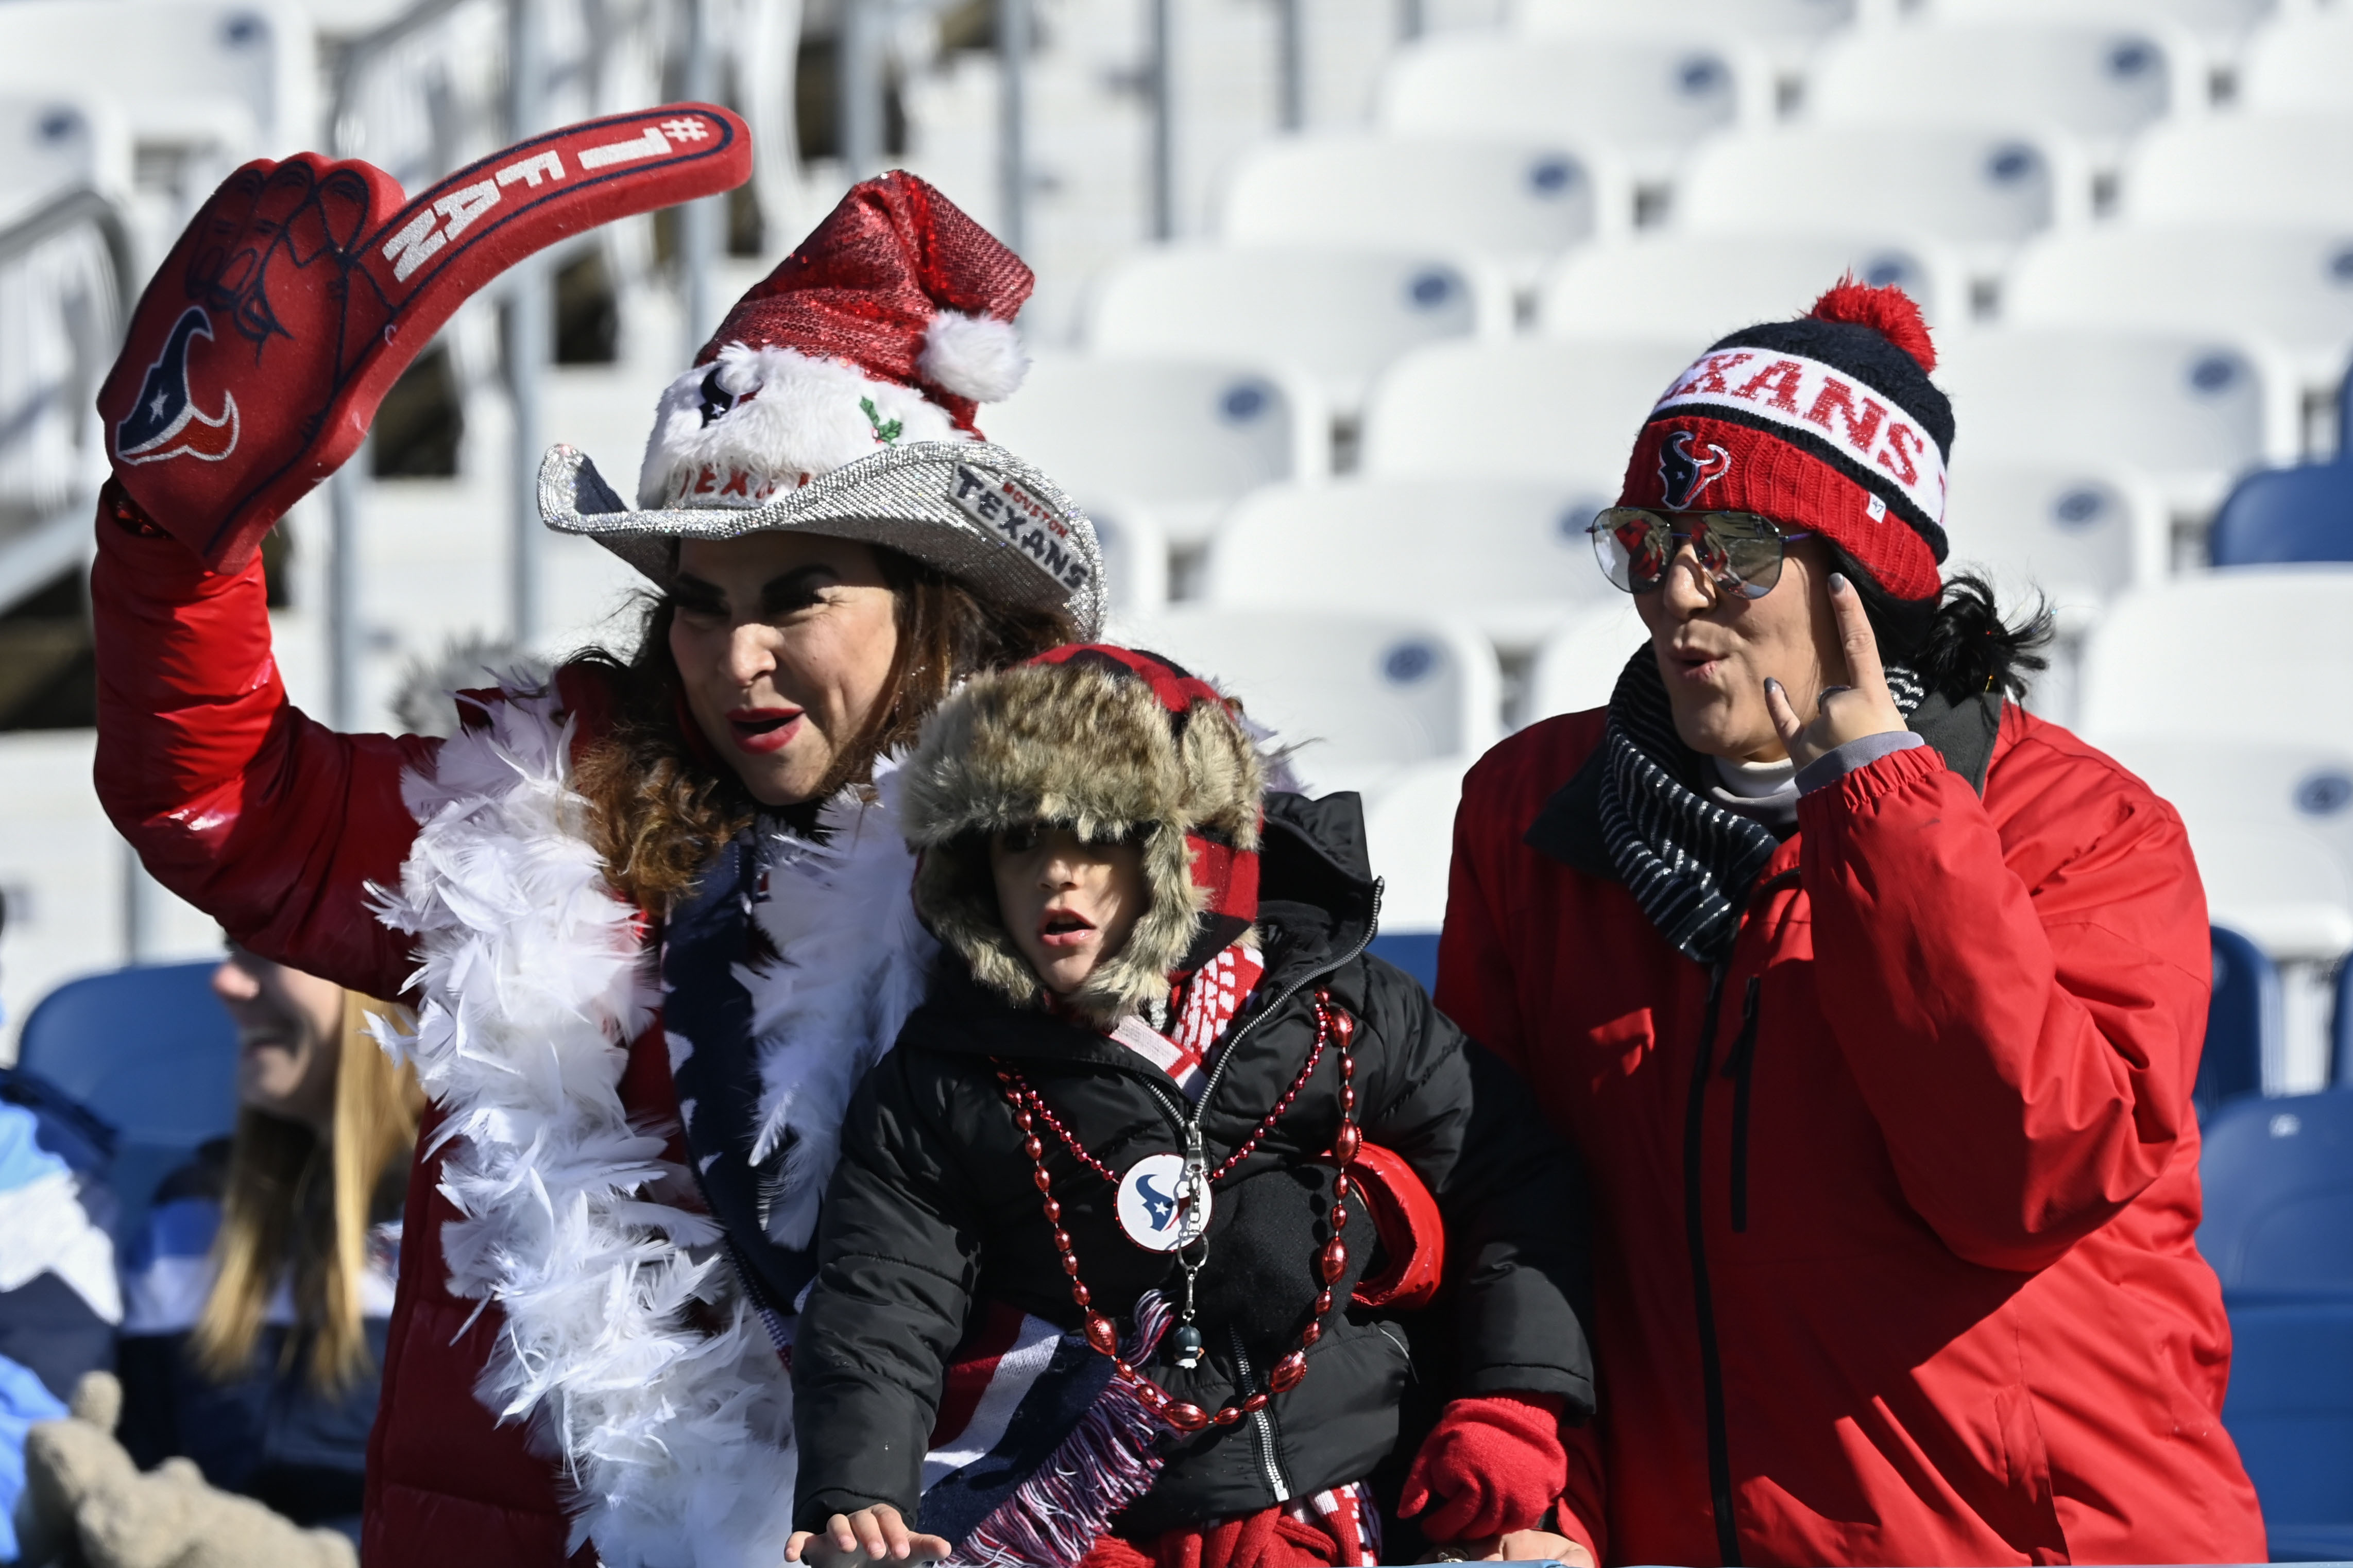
{"x":1827,"y":424}
{"x":1114,"y":743}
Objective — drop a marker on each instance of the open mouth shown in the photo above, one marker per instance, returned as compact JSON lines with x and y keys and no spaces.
{"x":761,"y":729}
{"x":1064,"y":927}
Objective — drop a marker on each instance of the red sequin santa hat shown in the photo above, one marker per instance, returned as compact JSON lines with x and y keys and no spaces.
{"x":840,"y":397}
{"x":1827,"y":424}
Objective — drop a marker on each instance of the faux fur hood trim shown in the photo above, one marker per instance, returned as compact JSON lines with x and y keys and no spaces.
{"x":1077,"y":745}
{"x":793,"y":419}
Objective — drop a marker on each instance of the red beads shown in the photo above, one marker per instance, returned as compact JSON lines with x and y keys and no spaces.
{"x":1331,"y":1259}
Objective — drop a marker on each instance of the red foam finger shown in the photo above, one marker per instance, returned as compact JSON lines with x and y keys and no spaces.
{"x":262,"y":348}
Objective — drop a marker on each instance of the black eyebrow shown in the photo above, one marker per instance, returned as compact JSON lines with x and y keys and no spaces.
{"x":787,"y":586}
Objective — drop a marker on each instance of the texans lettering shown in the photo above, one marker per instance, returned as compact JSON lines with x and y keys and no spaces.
{"x":165,"y":422}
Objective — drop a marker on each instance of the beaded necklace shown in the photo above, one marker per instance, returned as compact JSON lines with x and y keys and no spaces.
{"x":1333,"y":1025}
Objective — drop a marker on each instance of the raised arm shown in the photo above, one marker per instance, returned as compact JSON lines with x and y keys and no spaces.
{"x":267,"y":821}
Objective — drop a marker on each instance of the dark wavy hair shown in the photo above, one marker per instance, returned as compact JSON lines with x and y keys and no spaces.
{"x":660,"y":808}
{"x":1957,"y":642}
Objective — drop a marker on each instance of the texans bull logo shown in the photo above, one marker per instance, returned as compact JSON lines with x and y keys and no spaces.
{"x":1682,"y":476}
{"x":165,"y":422}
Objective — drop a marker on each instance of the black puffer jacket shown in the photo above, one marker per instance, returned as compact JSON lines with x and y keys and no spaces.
{"x":933,"y":1209}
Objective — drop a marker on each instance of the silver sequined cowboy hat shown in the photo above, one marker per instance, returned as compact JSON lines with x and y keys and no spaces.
{"x":839,"y":397}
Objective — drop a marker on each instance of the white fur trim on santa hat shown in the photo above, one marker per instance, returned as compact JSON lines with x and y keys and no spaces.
{"x":794,"y":418}
{"x":978,"y":357}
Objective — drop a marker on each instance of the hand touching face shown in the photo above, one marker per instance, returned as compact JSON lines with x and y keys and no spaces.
{"x":784,"y":643}
{"x":1067,"y":904}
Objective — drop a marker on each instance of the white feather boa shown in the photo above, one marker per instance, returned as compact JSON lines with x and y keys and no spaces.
{"x":677,"y":1442}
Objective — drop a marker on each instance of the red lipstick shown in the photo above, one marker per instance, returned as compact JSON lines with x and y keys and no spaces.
{"x":760,"y":731}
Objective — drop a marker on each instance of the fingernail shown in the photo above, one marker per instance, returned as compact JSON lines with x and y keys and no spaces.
{"x":1771,"y":684}
{"x":1839,"y":582}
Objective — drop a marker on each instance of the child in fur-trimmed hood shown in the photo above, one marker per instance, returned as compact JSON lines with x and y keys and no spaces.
{"x":1164,"y":1129}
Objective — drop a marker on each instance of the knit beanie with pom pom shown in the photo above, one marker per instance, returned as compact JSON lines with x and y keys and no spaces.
{"x":1827,"y":424}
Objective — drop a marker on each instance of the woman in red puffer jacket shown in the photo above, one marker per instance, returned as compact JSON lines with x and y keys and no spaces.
{"x":1874,"y":1003}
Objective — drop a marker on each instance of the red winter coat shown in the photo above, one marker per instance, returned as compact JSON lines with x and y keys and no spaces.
{"x":274,"y":825}
{"x":1893,"y":1245}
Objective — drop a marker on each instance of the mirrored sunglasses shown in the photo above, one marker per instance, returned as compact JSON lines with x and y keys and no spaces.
{"x":1740,"y":552}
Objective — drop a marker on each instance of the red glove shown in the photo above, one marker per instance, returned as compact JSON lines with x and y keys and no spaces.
{"x":1490,"y":1466}
{"x":301,"y":290}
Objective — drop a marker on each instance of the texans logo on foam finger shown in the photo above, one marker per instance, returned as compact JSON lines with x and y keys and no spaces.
{"x":264,"y":343}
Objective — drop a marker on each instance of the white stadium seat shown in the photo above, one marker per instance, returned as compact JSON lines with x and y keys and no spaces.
{"x":51,"y":143}
{"x":1518,"y":202}
{"x":1361,"y":697}
{"x":2289,"y":287}
{"x":2191,"y":412}
{"x":2103,"y":83}
{"x":1338,"y":315}
{"x":1578,"y":666}
{"x":1509,"y":557}
{"x":2080,"y":534}
{"x":1182,"y":437}
{"x":1796,"y":22}
{"x":2218,"y":24}
{"x":1134,"y":552}
{"x":2271,"y":825}
{"x":1650,"y":97}
{"x":2300,"y":65}
{"x":1409,"y":833}
{"x":2247,"y":653}
{"x":1982,"y":189}
{"x":2235,"y":169}
{"x":1545,"y":410}
{"x":172,"y":65}
{"x":1695,"y":287}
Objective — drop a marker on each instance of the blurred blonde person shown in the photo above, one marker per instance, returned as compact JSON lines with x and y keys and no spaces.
{"x":257,"y":1301}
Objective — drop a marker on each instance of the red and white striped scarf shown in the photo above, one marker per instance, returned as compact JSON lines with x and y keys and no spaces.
{"x":1203,"y":1007}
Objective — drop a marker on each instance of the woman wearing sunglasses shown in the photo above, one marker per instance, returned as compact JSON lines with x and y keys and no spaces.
{"x":1874,"y":1003}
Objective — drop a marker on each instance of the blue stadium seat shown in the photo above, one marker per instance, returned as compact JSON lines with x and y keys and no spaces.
{"x":2278,"y":1175}
{"x":2243,"y":1016}
{"x":152,"y":1052}
{"x":1415,"y":952}
{"x":2340,"y":1055}
{"x":2304,"y":514}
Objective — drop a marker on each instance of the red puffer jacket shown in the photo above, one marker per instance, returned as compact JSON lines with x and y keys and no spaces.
{"x":1894,"y":1219}
{"x":275,"y":825}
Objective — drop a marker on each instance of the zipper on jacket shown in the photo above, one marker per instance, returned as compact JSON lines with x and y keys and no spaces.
{"x":1711,"y":1364}
{"x":1270,"y":1459}
{"x":1737,"y":1066}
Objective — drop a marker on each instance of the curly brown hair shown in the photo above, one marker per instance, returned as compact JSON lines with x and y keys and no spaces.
{"x":658,"y":811}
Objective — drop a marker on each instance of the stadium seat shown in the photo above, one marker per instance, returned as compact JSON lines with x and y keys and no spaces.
{"x":1983,"y":190}
{"x":1134,"y":551}
{"x":2191,"y":412}
{"x":1516,"y":202}
{"x":2278,"y":1174}
{"x":2290,"y":287}
{"x":1410,"y":830}
{"x":173,"y":64}
{"x":2299,"y":65}
{"x":2220,"y":24}
{"x":150,"y":1051}
{"x":2102,"y":82}
{"x":2079,"y":534}
{"x":2281,"y":515}
{"x":1694,"y":288}
{"x":1509,"y":557}
{"x":2340,"y":1030}
{"x":2243,"y":655}
{"x":2271,"y":825}
{"x":54,"y":143}
{"x":2242,"y":1024}
{"x":1578,"y":666}
{"x":1785,"y":31}
{"x":2233,"y":170}
{"x":1651,"y":95}
{"x":1362,"y":697}
{"x":2278,"y":1229}
{"x":1522,"y":410}
{"x":1184,"y":436}
{"x":1338,"y":315}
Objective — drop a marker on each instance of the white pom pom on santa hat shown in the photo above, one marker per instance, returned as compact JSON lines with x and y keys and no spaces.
{"x":978,"y":357}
